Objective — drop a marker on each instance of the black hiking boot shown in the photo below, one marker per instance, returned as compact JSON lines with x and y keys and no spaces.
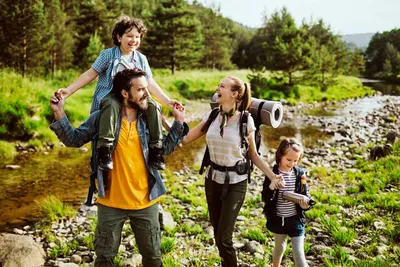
{"x":157,"y":158}
{"x":104,"y":157}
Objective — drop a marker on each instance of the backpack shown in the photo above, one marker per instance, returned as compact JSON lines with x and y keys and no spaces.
{"x":244,"y":144}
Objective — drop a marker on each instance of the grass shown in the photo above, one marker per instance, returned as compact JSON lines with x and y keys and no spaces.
{"x":7,"y":151}
{"x":167,"y":244}
{"x":53,"y":209}
{"x":347,"y":87}
{"x":255,"y":234}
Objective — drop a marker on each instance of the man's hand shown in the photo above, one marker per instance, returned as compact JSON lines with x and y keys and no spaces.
{"x":175,"y":103}
{"x":179,"y":113}
{"x":57,"y":102}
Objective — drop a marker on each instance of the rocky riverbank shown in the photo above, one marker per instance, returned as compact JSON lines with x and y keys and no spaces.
{"x":333,"y":169}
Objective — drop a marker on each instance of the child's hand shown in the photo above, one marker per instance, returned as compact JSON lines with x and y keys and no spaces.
{"x":175,"y":104}
{"x":304,"y":203}
{"x":179,"y":113}
{"x":277,"y":183}
{"x":64,"y":92}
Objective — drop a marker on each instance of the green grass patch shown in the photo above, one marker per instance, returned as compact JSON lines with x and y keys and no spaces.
{"x":167,"y":244}
{"x":52,"y":209}
{"x":7,"y":151}
{"x":255,"y":234}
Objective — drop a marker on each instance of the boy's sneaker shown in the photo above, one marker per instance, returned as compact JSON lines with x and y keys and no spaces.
{"x":157,"y":158}
{"x":104,"y":157}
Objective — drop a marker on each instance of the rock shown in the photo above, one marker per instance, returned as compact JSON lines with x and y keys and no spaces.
{"x":253,"y":247}
{"x":12,"y":167}
{"x":317,"y":249}
{"x":21,"y":251}
{"x":379,"y":225}
{"x":241,"y":218}
{"x":168,"y":221}
{"x":62,"y":264}
{"x":134,"y":261}
{"x":76,"y":259}
{"x":18,"y":231}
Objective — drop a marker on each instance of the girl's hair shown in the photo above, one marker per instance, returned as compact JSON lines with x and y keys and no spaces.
{"x":126,"y":23}
{"x":244,"y":92}
{"x":285,"y":145}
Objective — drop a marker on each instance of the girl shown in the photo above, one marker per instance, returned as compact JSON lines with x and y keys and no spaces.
{"x":286,"y":218}
{"x":225,"y":188}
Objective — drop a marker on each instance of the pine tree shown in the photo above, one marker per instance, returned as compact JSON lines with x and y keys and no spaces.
{"x":280,"y":44}
{"x":174,"y":38}
{"x":94,"y":48}
{"x":60,"y":39}
{"x":322,"y":65}
{"x":23,"y":29}
{"x":217,"y":45}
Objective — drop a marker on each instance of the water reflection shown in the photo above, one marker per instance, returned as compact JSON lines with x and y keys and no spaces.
{"x":384,"y":88}
{"x":63,"y":172}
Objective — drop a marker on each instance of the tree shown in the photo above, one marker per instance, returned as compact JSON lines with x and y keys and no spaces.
{"x":217,"y":48}
{"x":281,"y":46}
{"x":174,"y":38}
{"x":59,"y":37}
{"x":379,"y":50}
{"x":23,"y":31}
{"x":357,"y":62}
{"x":391,"y":57}
{"x":322,"y":65}
{"x":94,"y":48}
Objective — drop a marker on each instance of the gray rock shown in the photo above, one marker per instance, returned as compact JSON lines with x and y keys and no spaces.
{"x":21,"y":251}
{"x":76,"y":259}
{"x":70,"y":264}
{"x":12,"y":167}
{"x":168,"y":221}
{"x":134,"y":261}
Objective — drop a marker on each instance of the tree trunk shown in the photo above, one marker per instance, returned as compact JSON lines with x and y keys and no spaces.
{"x":24,"y":56}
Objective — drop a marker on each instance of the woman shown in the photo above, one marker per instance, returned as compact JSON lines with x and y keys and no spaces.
{"x":226,"y":190}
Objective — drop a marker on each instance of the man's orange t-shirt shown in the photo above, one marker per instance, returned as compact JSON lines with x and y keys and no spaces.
{"x":128,"y":181}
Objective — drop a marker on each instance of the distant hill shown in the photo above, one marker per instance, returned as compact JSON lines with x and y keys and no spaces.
{"x":360,"y":40}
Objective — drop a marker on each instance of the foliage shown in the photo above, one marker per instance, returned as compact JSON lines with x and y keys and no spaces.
{"x":94,"y":48}
{"x":174,"y":39}
{"x":7,"y":151}
{"x":216,"y":32}
{"x":282,"y":47}
{"x":382,"y":54}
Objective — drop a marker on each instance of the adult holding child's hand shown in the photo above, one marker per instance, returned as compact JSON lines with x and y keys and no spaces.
{"x":57,"y":102}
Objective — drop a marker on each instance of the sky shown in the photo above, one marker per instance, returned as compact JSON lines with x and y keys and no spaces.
{"x":344,"y":16}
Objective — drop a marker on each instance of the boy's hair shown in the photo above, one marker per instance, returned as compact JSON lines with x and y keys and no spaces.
{"x":285,"y":145}
{"x":122,"y":80}
{"x":126,"y":23}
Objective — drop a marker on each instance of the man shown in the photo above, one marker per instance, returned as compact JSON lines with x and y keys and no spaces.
{"x":134,"y":187}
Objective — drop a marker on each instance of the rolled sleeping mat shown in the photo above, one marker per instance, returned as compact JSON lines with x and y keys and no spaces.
{"x":265,"y":112}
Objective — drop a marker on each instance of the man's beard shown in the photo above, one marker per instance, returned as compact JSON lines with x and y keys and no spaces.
{"x":141,"y":104}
